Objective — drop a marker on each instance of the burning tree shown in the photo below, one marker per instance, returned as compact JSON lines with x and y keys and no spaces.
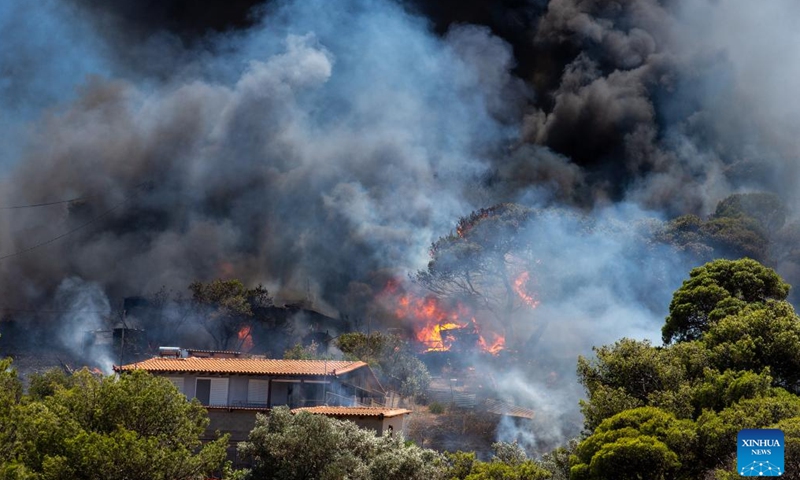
{"x":226,"y":308}
{"x":487,"y":262}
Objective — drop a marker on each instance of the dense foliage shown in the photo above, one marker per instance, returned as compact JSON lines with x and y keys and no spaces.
{"x":716,"y":290}
{"x":87,"y":427}
{"x":743,"y":225}
{"x":508,"y":463}
{"x":283,"y":446}
{"x":674,"y":411}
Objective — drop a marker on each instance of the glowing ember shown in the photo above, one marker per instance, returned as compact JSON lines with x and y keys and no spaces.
{"x":245,"y":339}
{"x":520,"y":287}
{"x":495,"y":347}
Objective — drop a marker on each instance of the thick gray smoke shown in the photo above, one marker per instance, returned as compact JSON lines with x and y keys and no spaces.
{"x":676,"y":104}
{"x":321,"y":146}
{"x":332,"y":144}
{"x":595,"y":278}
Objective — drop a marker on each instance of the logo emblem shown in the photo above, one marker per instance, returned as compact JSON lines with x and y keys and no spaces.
{"x":759,"y":453}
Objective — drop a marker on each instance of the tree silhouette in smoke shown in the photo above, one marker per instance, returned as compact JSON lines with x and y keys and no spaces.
{"x":226,"y":307}
{"x":487,"y":260}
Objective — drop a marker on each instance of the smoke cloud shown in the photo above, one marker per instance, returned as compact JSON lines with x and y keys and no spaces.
{"x":86,"y":311}
{"x":318,"y":146}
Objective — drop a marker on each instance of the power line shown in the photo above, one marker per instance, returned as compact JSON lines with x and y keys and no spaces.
{"x":70,"y":232}
{"x":60,"y":202}
{"x":45,"y":204}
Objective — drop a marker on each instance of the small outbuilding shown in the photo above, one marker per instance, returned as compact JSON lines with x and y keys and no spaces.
{"x":381,"y":420}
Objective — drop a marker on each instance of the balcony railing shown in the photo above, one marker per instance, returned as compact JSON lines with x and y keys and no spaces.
{"x":331,"y":399}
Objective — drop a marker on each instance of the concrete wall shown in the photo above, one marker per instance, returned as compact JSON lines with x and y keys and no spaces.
{"x":237,"y":423}
{"x":378,"y":425}
{"x":397,"y":423}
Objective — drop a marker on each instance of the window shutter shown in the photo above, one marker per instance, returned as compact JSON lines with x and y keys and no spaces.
{"x":219,"y":392}
{"x":257,"y":391}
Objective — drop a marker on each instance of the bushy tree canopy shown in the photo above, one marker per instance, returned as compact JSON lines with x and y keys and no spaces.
{"x":743,"y":225}
{"x":647,"y":404}
{"x":718,"y":289}
{"x":284,"y":446}
{"x":508,"y":463}
{"x":133,"y":427}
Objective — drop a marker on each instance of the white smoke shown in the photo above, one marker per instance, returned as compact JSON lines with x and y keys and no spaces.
{"x":86,"y":313}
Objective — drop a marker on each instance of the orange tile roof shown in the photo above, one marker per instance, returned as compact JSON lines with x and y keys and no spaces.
{"x":244,"y":366}
{"x":381,"y":412}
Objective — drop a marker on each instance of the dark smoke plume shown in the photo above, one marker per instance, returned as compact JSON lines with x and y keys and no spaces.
{"x":320,"y":147}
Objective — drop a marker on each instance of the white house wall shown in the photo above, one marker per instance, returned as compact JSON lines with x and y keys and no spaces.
{"x":179,"y":383}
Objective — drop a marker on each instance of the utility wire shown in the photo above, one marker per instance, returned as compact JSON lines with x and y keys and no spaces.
{"x":70,"y":232}
{"x":45,"y":204}
{"x":59,"y":202}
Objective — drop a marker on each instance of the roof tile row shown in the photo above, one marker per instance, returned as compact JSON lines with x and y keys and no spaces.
{"x":381,"y":412}
{"x":251,"y":366}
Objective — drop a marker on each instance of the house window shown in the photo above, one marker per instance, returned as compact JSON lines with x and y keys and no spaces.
{"x":212,"y":391}
{"x":203,"y":390}
{"x":257,"y":391}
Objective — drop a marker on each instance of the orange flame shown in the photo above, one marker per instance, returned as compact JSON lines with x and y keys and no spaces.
{"x":520,"y":287}
{"x":495,"y":347}
{"x":436,"y":337}
{"x":245,"y":338}
{"x":436,"y":324}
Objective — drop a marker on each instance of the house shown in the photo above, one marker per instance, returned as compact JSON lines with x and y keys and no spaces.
{"x":380,"y":419}
{"x":234,"y":387}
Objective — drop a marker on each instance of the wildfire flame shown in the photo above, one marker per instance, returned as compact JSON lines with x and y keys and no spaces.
{"x":437,"y":337}
{"x":495,"y":347}
{"x":438,"y":326}
{"x":245,"y":338}
{"x":520,"y":287}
